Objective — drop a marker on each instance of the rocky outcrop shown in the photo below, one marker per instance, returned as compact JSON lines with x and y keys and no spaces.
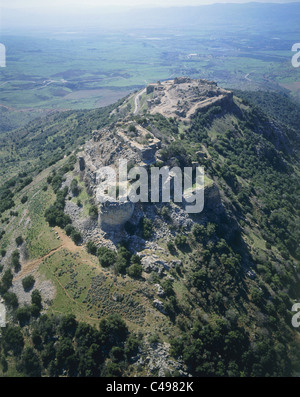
{"x":159,"y":306}
{"x":157,"y":361}
{"x":152,"y":263}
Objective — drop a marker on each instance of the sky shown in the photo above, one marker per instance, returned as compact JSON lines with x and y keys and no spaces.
{"x":113,"y":3}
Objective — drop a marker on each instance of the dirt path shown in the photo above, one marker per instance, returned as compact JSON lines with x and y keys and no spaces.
{"x":137,"y":101}
{"x":66,"y":243}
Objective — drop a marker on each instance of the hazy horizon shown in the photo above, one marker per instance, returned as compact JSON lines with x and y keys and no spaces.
{"x":76,"y":15}
{"x":19,"y":4}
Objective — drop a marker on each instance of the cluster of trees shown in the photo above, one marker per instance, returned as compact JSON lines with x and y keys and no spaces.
{"x":122,"y":260}
{"x":224,"y":349}
{"x":55,"y":214}
{"x":64,"y":346}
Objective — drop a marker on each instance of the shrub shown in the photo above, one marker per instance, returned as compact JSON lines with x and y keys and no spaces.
{"x":30,"y":363}
{"x":135,"y":270}
{"x":74,"y":187}
{"x":170,"y":246}
{"x":93,"y":211}
{"x":35,"y":310}
{"x":12,"y":339}
{"x":23,"y":315}
{"x":28,"y":282}
{"x":153,"y":339}
{"x":180,"y":240}
{"x":11,"y":299}
{"x":56,"y":217}
{"x":36,"y":298}
{"x":15,"y":262}
{"x":113,"y":329}
{"x":132,"y":128}
{"x":165,"y":213}
{"x":24,"y":199}
{"x":107,"y":257}
{"x":19,"y":240}
{"x":117,"y":354}
{"x":198,"y":230}
{"x":91,"y":248}
{"x":167,"y":286}
{"x":6,"y":281}
{"x":147,"y":228}
{"x":121,"y":265}
{"x":76,"y":237}
{"x":69,"y":229}
{"x":131,"y":346}
{"x":135,"y":259}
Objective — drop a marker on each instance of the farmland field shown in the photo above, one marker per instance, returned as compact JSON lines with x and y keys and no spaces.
{"x":51,"y":71}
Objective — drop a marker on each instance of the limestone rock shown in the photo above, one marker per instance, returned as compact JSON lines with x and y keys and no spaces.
{"x":159,"y":306}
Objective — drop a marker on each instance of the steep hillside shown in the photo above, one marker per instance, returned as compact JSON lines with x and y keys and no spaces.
{"x":154,"y":289}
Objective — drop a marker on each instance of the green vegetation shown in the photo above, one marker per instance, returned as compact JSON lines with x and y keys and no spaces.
{"x":107,"y":257}
{"x":147,"y":228}
{"x":28,"y":282}
{"x":226,"y":284}
{"x":60,"y":345}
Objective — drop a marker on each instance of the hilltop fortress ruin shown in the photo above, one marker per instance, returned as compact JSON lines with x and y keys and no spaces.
{"x":183,"y":97}
{"x":180,"y":98}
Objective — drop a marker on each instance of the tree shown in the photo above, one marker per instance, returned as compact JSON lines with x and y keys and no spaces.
{"x":6,"y":281}
{"x":86,"y":335}
{"x":28,"y":282}
{"x":68,"y":325}
{"x":36,"y":298}
{"x":12,"y":339}
{"x":11,"y":299}
{"x":76,"y":237}
{"x":23,"y":315}
{"x":15,"y":260}
{"x":107,"y":257}
{"x":180,"y":240}
{"x":93,"y":211}
{"x":117,"y":354}
{"x":135,"y":270}
{"x":64,"y":353}
{"x":19,"y":240}
{"x":74,"y":187}
{"x":48,"y":354}
{"x":69,"y":229}
{"x":198,"y":230}
{"x":167,"y":286}
{"x":113,"y":329}
{"x":170,"y":245}
{"x":112,"y":370}
{"x":147,"y":228}
{"x":132,"y":345}
{"x":30,"y":363}
{"x":36,"y":339}
{"x":91,"y":248}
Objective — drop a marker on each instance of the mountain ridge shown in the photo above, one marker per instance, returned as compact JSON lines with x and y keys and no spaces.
{"x":212,"y":292}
